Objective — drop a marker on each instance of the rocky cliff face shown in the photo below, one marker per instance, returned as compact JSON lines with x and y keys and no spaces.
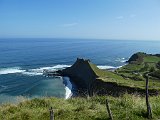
{"x":82,"y":73}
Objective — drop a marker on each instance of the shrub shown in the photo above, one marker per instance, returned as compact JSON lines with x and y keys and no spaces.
{"x":158,"y":65}
{"x":156,"y":74}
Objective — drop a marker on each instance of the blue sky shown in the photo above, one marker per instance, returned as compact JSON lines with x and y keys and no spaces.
{"x":104,"y":19}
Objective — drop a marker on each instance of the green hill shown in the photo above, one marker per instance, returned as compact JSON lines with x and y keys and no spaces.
{"x":139,"y":64}
{"x":92,"y":80}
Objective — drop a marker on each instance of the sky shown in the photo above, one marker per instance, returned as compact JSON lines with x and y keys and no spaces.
{"x":98,"y":19}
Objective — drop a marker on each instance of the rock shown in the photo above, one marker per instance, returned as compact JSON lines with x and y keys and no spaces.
{"x":137,"y":58}
{"x":81,"y":72}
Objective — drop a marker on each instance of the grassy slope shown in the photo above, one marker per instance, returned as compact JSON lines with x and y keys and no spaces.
{"x":151,"y":59}
{"x":134,"y":72}
{"x":140,"y":68}
{"x":125,"y":107}
{"x":108,"y":76}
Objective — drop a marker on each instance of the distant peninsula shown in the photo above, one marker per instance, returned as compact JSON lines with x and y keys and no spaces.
{"x":91,"y":80}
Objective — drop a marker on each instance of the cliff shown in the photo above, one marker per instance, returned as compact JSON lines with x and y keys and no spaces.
{"x":83,"y":73}
{"x":92,"y":80}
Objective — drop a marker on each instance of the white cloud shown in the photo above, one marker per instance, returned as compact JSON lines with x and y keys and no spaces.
{"x":70,"y":24}
{"x":120,"y":17}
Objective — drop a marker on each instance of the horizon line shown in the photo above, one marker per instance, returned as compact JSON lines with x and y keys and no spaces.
{"x":79,"y":38}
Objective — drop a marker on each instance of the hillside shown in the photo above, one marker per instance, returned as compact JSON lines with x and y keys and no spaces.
{"x":126,"y":107}
{"x":139,"y":64}
{"x":124,"y":89}
{"x":89,"y":78}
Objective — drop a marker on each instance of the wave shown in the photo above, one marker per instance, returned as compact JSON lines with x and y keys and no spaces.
{"x":31,"y":72}
{"x":107,"y":67}
{"x":68,"y":87}
{"x":11,"y":70}
{"x":39,"y":71}
{"x":122,"y":60}
{"x":52,"y":68}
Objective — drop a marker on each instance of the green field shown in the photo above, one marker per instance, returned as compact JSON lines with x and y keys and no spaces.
{"x":135,"y":71}
{"x":132,"y":75}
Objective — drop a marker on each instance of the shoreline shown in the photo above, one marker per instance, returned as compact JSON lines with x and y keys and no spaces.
{"x":68,"y":87}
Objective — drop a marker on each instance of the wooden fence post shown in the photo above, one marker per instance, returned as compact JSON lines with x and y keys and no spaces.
{"x":149,"y":111}
{"x":108,"y":110}
{"x":51,"y":114}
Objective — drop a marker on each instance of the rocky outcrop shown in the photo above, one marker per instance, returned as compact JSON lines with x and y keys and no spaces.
{"x":137,"y":58}
{"x":88,"y":79}
{"x":83,"y":73}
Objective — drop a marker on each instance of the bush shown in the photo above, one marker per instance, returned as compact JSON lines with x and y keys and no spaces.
{"x":156,"y":74}
{"x":158,"y":65}
{"x":152,"y":69}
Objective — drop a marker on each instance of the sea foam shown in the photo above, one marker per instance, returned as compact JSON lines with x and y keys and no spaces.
{"x":68,"y":87}
{"x":107,"y":67}
{"x":122,"y":60}
{"x":31,"y":72}
{"x":11,"y":70}
{"x":39,"y":71}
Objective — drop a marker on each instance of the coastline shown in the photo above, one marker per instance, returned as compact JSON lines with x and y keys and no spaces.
{"x":68,"y":87}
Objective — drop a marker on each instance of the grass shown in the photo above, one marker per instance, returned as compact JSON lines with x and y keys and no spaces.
{"x":151,"y":59}
{"x":130,"y":75}
{"x":113,"y":77}
{"x":126,"y":107}
{"x":130,"y":79}
{"x":133,"y":73}
{"x":108,"y":76}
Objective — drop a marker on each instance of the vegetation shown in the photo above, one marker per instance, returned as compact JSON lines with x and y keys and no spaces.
{"x":126,"y":106}
{"x":132,"y":74}
{"x":138,"y":66}
{"x":129,"y":107}
{"x":129,"y":78}
{"x":158,"y":65}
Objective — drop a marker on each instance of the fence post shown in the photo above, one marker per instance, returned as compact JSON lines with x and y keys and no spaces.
{"x":108,"y":110}
{"x":149,"y":111}
{"x":51,"y":114}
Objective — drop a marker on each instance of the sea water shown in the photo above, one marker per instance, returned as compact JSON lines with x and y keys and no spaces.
{"x":22,"y":61}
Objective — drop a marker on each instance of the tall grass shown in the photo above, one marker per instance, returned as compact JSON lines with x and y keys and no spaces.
{"x":126,"y":107}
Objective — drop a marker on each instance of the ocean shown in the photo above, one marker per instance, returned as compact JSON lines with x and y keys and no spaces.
{"x":22,"y":61}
